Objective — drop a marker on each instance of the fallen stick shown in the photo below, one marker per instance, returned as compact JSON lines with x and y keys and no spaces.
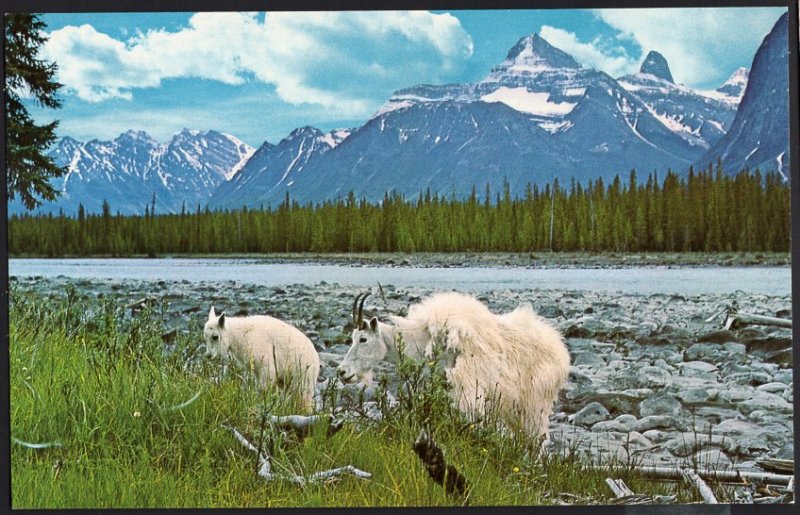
{"x":29,"y":445}
{"x":619,"y":487}
{"x":722,"y":476}
{"x":735,"y":318}
{"x":141,"y":303}
{"x":302,"y":425}
{"x":185,"y":403}
{"x":705,"y":492}
{"x":265,"y":467}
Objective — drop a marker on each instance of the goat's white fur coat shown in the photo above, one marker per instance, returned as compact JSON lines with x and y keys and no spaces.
{"x":516,"y":361}
{"x":279,"y":353}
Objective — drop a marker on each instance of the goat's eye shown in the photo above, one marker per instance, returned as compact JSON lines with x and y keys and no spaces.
{"x":363,"y":339}
{"x":215,"y":337}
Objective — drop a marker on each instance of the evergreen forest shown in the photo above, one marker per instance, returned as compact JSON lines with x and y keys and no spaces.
{"x":705,"y":211}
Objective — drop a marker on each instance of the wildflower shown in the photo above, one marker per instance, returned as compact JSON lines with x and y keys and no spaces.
{"x":136,"y":414}
{"x":515,"y":469}
{"x":484,"y":450}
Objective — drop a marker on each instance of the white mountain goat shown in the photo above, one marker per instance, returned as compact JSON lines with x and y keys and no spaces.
{"x":279,"y":353}
{"x":514,"y":363}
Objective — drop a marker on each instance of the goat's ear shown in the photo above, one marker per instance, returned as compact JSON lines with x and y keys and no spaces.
{"x":221,"y":321}
{"x":212,"y":314}
{"x":373,"y":324}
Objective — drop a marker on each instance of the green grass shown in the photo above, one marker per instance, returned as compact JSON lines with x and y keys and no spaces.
{"x":98,"y":382}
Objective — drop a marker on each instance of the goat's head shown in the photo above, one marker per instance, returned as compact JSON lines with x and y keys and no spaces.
{"x":217,"y":343}
{"x":368,"y":348}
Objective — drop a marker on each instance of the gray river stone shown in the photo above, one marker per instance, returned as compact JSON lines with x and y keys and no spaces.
{"x":695,"y":395}
{"x":685,"y":444}
{"x":765,"y":401}
{"x":699,"y":369}
{"x":585,"y":327}
{"x":736,"y":427}
{"x":722,"y":336}
{"x":751,"y":378}
{"x":784,"y":357}
{"x":769,"y":343}
{"x":661,"y":404}
{"x":783,"y":376}
{"x":735,"y":348}
{"x":712,"y":459}
{"x":703,"y":352}
{"x":591,"y":414}
{"x":775,"y":387}
{"x":659,"y":422}
{"x":587,"y":358}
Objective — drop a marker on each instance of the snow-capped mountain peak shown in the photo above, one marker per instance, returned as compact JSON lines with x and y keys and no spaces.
{"x":655,"y":64}
{"x":128,"y":170}
{"x":532,"y":55}
{"x":736,"y":83}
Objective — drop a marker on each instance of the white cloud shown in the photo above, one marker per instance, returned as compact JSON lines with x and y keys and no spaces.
{"x":700,"y":45}
{"x":337,"y":60}
{"x":591,"y":55}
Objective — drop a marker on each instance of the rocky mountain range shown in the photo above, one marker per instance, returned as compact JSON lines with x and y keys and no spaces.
{"x":128,"y":171}
{"x":537,"y":116}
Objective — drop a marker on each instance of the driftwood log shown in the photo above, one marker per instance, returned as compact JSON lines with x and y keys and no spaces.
{"x":735,"y":318}
{"x":142,"y":303}
{"x":619,"y":487}
{"x":265,"y":466}
{"x":721,"y":476}
{"x":624,"y":495}
{"x":705,"y":492}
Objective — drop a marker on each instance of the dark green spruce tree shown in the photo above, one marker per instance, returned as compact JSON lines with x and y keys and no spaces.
{"x":28,"y":168}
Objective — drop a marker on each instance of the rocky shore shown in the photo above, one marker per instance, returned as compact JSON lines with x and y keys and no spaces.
{"x":651,"y":382}
{"x":503,"y":259}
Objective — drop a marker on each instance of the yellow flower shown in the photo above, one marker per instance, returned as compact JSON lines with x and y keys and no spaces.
{"x":136,"y":414}
{"x":484,"y":450}
{"x":516,"y":469}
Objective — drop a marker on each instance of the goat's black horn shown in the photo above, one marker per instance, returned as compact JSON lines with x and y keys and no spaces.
{"x":355,"y":308}
{"x":361,"y":309}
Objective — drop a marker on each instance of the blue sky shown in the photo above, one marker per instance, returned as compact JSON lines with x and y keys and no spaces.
{"x":258,"y":76}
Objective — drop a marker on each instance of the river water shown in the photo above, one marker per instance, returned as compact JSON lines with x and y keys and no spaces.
{"x":646,"y":280}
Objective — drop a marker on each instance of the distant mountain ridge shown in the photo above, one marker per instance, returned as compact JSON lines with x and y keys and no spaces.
{"x":700,"y":118}
{"x":536,"y":117}
{"x":127,"y":171}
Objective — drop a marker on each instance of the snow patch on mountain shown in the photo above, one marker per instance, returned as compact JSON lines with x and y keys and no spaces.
{"x":530,"y":102}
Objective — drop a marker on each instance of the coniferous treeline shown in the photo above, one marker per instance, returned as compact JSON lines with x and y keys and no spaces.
{"x":706,"y":211}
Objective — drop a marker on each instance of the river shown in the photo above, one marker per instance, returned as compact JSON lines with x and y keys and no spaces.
{"x":647,"y":280}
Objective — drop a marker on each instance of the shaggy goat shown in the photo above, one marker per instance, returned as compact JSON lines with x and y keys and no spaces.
{"x":279,"y":352}
{"x":515,"y":363}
